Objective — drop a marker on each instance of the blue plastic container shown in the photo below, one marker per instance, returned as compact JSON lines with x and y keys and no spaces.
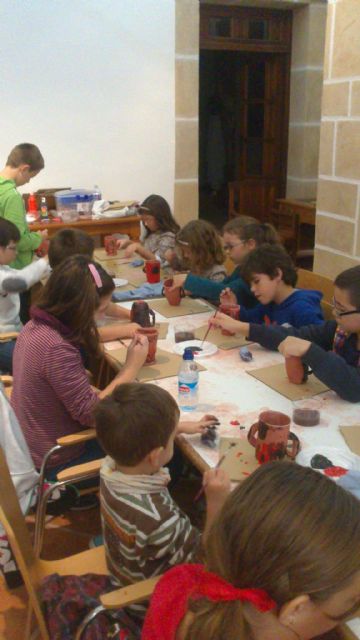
{"x":73,"y":204}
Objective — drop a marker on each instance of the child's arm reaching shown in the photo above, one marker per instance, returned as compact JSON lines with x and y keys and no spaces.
{"x":225,"y":322}
{"x":199,"y":426}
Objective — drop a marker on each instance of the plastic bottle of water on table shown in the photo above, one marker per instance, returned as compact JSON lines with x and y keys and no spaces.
{"x":188,"y":382}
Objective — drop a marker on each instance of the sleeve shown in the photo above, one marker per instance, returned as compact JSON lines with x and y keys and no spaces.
{"x":270,"y":337}
{"x":256,"y":314}
{"x":66,"y":375}
{"x":18,"y":280}
{"x":218,"y":276}
{"x":334,"y":371}
{"x":211,"y":290}
{"x":175,"y":540}
{"x":14,"y":212}
{"x":304,"y":314}
{"x":166,"y":242}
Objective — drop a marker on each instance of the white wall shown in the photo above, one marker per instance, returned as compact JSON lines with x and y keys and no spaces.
{"x":91,"y":82}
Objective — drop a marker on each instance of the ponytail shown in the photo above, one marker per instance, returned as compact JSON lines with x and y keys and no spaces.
{"x":263,"y":233}
{"x":214,"y":620}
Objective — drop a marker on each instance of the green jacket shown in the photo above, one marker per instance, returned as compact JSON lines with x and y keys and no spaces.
{"x":12,"y":208}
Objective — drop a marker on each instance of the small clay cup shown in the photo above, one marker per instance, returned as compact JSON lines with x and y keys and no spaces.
{"x":232,"y":310}
{"x":306,"y":417}
{"x":110,"y":245}
{"x":295,"y":369}
{"x":173,"y":295}
{"x":142,"y":314}
{"x":152,"y":270}
{"x":152,"y":336}
{"x":270,"y":437}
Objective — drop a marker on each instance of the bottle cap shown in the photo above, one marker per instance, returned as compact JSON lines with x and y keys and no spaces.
{"x":188,"y":354}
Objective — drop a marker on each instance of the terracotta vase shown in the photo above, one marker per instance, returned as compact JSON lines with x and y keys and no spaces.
{"x":152,"y":336}
{"x":270,"y":437}
{"x":173,"y":295}
{"x":142,"y":314}
{"x":295,"y":369}
{"x":232,"y":310}
{"x":110,"y":245}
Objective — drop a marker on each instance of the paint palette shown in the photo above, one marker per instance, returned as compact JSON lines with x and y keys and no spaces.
{"x":240,"y":461}
{"x":339,"y":458}
{"x":199,"y":349}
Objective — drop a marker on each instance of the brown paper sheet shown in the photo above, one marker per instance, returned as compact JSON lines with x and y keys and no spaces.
{"x":240,"y":461}
{"x":100,"y":255}
{"x":215,"y":336}
{"x":275,"y":377}
{"x":162,"y":327}
{"x":134,"y":275}
{"x":166,"y":365}
{"x":187,"y":307}
{"x":352,"y":437}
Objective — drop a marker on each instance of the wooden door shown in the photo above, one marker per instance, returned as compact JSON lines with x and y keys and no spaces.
{"x":261,"y":136}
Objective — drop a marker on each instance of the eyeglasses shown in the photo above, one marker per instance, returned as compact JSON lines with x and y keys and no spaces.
{"x":228,"y":247}
{"x":341,"y":314}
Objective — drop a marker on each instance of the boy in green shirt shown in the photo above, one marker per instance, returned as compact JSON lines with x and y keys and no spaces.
{"x":24,"y":163}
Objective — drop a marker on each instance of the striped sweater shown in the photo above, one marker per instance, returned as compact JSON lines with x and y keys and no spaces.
{"x":51,"y":396}
{"x":145,"y":532}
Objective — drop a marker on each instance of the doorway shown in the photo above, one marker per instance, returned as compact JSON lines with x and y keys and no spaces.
{"x":243,"y":112}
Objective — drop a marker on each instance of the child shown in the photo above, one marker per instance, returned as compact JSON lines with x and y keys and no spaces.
{"x":201,"y":251}
{"x":13,"y":281}
{"x":282,"y":562}
{"x":69,"y":242}
{"x":331,"y":350}
{"x":48,"y":363}
{"x":241,"y":235}
{"x":160,"y":229}
{"x":145,"y":532}
{"x":272,"y":276}
{"x":24,"y":163}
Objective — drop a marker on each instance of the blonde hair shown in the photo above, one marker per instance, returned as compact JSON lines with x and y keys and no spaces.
{"x":204,"y":243}
{"x":286,"y":529}
{"x":247,"y":228}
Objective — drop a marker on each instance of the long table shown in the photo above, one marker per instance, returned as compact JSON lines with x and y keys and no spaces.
{"x":229,"y":392}
{"x":94,"y":227}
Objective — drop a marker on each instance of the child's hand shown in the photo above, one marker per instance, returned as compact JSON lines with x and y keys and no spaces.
{"x":132,"y":328}
{"x":131,"y":249}
{"x":216,"y":483}
{"x":198,"y":426}
{"x":122,"y":243}
{"x":293,"y":346}
{"x":225,"y":322}
{"x":179,"y":279}
{"x":137,"y":352}
{"x":228,"y":297}
{"x":43,"y":233}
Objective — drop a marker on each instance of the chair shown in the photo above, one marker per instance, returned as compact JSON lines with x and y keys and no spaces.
{"x":312,"y":280}
{"x":34,"y":570}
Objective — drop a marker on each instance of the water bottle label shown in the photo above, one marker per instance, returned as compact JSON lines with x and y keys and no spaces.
{"x":187,"y":387}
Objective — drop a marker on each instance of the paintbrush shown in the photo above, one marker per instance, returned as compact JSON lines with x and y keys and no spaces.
{"x":207,"y":330}
{"x":201,"y":491}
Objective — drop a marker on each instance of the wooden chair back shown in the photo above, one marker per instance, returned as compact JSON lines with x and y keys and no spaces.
{"x":288,"y":227}
{"x":312,"y":280}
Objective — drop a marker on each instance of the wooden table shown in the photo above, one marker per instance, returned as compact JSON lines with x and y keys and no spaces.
{"x":229,"y":392}
{"x":103,"y":227}
{"x":305,"y":209}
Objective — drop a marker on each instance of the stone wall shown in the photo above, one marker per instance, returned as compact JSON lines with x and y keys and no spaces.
{"x":338,"y":210}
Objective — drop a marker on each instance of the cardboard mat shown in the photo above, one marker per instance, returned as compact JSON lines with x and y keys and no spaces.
{"x":162,"y":327}
{"x":100,"y":255}
{"x":240,"y":460}
{"x":275,"y":377}
{"x":352,"y":437}
{"x":186,"y":307}
{"x":215,"y":336}
{"x":166,"y":365}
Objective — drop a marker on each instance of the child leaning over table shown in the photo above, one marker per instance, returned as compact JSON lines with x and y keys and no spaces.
{"x":272,"y":277}
{"x":145,"y":532}
{"x":331,"y":350}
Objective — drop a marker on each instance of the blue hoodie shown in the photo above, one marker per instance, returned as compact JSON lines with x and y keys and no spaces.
{"x":301,"y":308}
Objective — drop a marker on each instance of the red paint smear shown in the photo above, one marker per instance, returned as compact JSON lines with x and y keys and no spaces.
{"x":245,"y":473}
{"x":335,"y":472}
{"x":239,"y":454}
{"x":235,"y":423}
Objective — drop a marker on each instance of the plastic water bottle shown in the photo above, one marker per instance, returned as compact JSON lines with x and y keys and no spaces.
{"x":96,"y":193}
{"x":188,"y":382}
{"x":32,"y":204}
{"x":44,"y":214}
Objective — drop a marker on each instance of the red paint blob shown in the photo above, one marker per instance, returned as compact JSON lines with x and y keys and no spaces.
{"x":235,"y":423}
{"x":335,"y":472}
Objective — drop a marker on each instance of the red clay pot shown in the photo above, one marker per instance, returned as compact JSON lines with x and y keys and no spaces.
{"x":152,"y":336}
{"x":295,"y":370}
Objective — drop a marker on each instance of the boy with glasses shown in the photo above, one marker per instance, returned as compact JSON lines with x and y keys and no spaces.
{"x":12,"y":282}
{"x":331,"y":350}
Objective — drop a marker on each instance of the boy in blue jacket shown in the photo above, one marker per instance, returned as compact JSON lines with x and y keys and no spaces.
{"x":332,"y":349}
{"x":272,"y":277}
